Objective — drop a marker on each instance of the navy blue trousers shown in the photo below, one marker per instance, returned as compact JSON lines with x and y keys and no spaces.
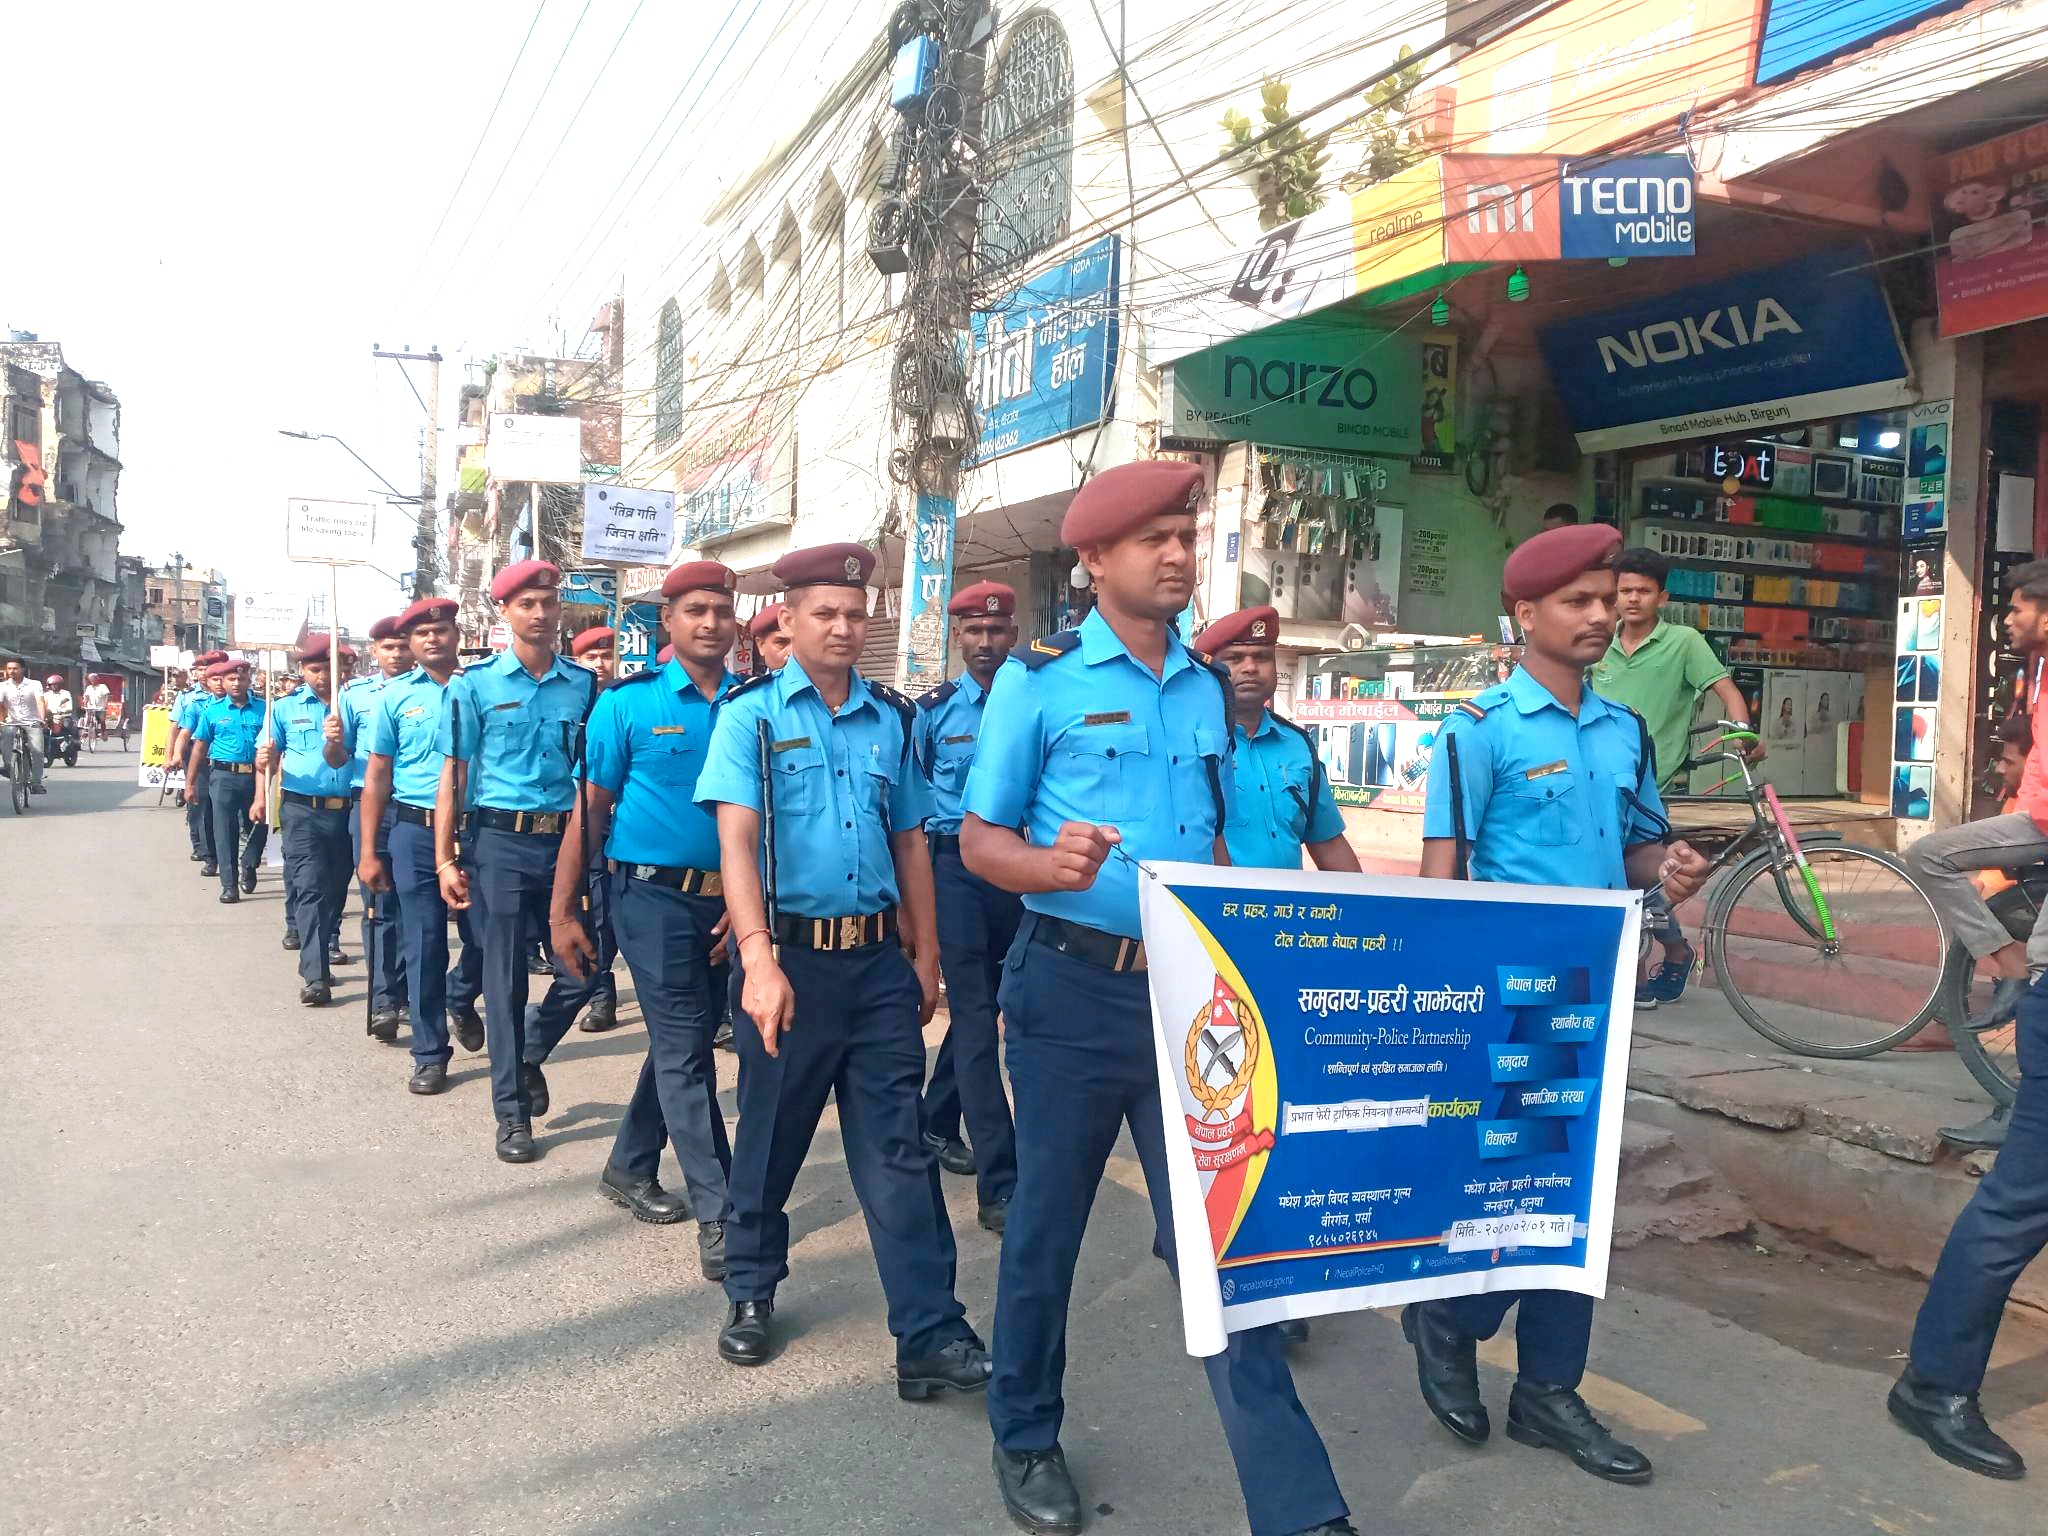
{"x":1079,"y":1042}
{"x":422,"y":919}
{"x":549,"y":1019}
{"x":977,"y":924}
{"x":1552,"y":1330}
{"x":229,"y":796}
{"x":317,"y":867}
{"x":2000,"y":1232}
{"x":199,"y":820}
{"x":383,"y":934}
{"x":666,"y":939}
{"x":856,"y":1037}
{"x":510,"y":877}
{"x":466,"y":975}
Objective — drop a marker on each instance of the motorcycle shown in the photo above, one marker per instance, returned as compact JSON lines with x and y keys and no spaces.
{"x":62,"y":745}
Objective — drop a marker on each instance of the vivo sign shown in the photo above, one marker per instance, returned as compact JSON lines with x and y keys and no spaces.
{"x":1640,"y":206}
{"x":1810,"y":339}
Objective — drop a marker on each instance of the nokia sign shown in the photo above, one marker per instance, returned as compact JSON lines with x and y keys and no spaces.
{"x":1800,"y":342}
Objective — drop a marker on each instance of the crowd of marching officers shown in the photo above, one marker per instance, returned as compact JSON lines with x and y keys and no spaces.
{"x":809,"y":853}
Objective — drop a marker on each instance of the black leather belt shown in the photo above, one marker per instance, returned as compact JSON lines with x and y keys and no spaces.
{"x":833,"y":933}
{"x":691,"y":882}
{"x":317,"y":802}
{"x":1111,"y":951}
{"x":232,"y":767}
{"x":355,"y":797}
{"x":945,"y":842}
{"x":418,"y":815}
{"x":531,"y":823}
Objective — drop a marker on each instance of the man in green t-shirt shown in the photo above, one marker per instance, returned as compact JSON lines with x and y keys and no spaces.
{"x":1660,"y":670}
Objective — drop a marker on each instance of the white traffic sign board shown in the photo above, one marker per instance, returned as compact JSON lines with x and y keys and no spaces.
{"x":500,"y":637}
{"x":543,"y":448}
{"x":264,"y":619}
{"x":623,"y":526}
{"x":334,"y":532}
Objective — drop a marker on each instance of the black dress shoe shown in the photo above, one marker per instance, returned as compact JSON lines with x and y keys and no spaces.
{"x":711,"y":1250}
{"x":1953,"y":1426}
{"x":2005,"y":1003}
{"x":198,"y":858}
{"x":316,"y":994}
{"x":1557,"y":1418}
{"x":995,"y":1215}
{"x":291,"y":940}
{"x":953,"y":1154}
{"x":515,"y":1142}
{"x":1038,"y":1491}
{"x":469,"y":1029}
{"x":430,"y":1077}
{"x":535,"y":1083}
{"x":599,"y":1017}
{"x":249,"y":883}
{"x":384,"y":1025}
{"x":962,"y":1366}
{"x":722,"y":1040}
{"x":1447,"y":1369}
{"x":645,"y":1198}
{"x":537,"y":962}
{"x":1979,"y":1136}
{"x":747,"y":1338}
{"x":1293,"y":1330}
{"x":210,"y":869}
{"x":336,"y":955}
{"x":1331,"y":1528}
{"x":229,"y":898}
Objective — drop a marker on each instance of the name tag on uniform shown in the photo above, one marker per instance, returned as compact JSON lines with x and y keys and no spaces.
{"x":414,"y":714}
{"x":791,"y":745}
{"x":953,"y":741}
{"x":1547,"y":769}
{"x":508,"y":704}
{"x":1109,"y":717}
{"x":671,"y":730}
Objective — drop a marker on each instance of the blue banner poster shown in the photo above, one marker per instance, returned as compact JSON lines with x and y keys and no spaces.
{"x":1381,"y":1090}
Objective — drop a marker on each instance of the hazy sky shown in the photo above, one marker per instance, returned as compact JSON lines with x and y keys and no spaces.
{"x":219,"y":208}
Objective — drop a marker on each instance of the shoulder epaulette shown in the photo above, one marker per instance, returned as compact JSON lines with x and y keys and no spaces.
{"x":935,"y":698}
{"x":635,"y":677}
{"x":1051,"y":648}
{"x":896,"y":701}
{"x":1467,"y":707}
{"x":748,"y":686}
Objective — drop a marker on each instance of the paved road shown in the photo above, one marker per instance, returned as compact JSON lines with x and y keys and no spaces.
{"x":249,"y":1285}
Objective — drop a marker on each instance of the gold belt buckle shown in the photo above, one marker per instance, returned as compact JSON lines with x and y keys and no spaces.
{"x":713,"y":883}
{"x":851,"y":932}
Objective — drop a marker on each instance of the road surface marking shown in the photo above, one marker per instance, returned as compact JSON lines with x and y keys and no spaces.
{"x":1608,"y":1397}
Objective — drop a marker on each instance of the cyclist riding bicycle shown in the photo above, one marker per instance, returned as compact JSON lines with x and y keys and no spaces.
{"x":24,"y":712}
{"x":95,"y":701}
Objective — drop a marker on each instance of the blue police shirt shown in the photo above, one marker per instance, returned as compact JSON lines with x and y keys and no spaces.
{"x":948,"y":721}
{"x":405,"y":726}
{"x":191,"y":703}
{"x":1283,"y":798}
{"x":1077,"y":729}
{"x":298,"y":722}
{"x":230,"y":730}
{"x":843,"y":783}
{"x":646,"y":743}
{"x":517,"y":732}
{"x":1547,"y":797}
{"x":359,"y":699}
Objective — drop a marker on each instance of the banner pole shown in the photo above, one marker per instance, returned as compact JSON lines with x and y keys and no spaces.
{"x":333,"y":639}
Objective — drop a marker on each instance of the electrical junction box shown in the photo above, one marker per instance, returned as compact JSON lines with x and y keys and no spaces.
{"x":916,"y":72}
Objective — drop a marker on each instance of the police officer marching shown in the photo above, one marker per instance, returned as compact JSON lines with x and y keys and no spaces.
{"x":1510,"y":757}
{"x":224,"y":761}
{"x":510,"y":734}
{"x":977,"y":922}
{"x":591,"y":999}
{"x":1112,"y":736}
{"x":382,"y":953}
{"x":771,"y":645}
{"x":812,"y":778}
{"x":657,"y":850}
{"x":315,"y":813}
{"x":402,"y":775}
{"x":202,"y":689}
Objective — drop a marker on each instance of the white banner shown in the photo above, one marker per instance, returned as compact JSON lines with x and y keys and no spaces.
{"x":624,"y":526}
{"x":333,"y":532}
{"x":543,"y":448}
{"x":268,"y":618}
{"x":161,"y":656}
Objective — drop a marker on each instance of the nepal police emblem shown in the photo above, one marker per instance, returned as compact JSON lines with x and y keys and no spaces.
{"x":1223,"y":1056}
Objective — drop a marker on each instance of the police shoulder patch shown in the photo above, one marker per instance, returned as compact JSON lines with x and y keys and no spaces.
{"x":1039,"y":652}
{"x":749,"y":686}
{"x":1468,"y":707}
{"x":935,"y":698}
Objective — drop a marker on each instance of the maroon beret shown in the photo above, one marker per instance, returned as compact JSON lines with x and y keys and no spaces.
{"x":598,"y":639}
{"x":825,"y":565}
{"x":348,"y":652}
{"x":385,"y":628}
{"x":208,"y":658}
{"x":226,"y":668}
{"x":1540,"y":565}
{"x":767,"y":619}
{"x":316,"y":648}
{"x":983,"y":597}
{"x":1125,"y":498}
{"x":697,"y":576}
{"x":517,"y":578}
{"x":664,"y":656}
{"x":1247,"y":626}
{"x":428,"y":610}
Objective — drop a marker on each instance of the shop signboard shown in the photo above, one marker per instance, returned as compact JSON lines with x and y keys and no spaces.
{"x":1345,"y":388}
{"x":1044,"y":357}
{"x":1810,"y":339}
{"x":1799,"y":33}
{"x":639,"y":638}
{"x":1991,"y":266}
{"x":725,"y":473}
{"x":1589,"y":73}
{"x":1639,"y":205}
{"x":595,"y":587}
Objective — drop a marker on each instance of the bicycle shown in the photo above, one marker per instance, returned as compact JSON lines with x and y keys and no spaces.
{"x":1991,"y":1054}
{"x":20,"y":769}
{"x":1820,"y":946}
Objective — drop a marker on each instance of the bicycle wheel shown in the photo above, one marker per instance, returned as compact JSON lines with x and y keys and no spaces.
{"x":17,"y":780}
{"x":1992,"y":1055}
{"x":1871,"y":986}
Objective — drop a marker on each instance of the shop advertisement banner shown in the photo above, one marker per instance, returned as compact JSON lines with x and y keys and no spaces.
{"x":624,"y":526}
{"x":725,"y":473}
{"x":1798,"y":33}
{"x":1991,"y":262}
{"x":1300,"y":266}
{"x":1641,"y":205}
{"x":1044,"y":358}
{"x":927,"y":589}
{"x":597,"y":587}
{"x":1810,"y":339}
{"x":639,"y":638}
{"x":1383,"y":1090}
{"x":1339,"y":388}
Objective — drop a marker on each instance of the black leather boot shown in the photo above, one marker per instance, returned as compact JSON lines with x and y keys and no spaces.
{"x":1447,"y":1370}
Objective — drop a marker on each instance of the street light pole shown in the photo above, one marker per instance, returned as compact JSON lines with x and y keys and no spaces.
{"x":425,"y":551}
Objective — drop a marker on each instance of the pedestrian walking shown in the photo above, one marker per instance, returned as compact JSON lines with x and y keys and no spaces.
{"x":811,"y":774}
{"x":224,"y":747}
{"x":1111,"y":736}
{"x":510,"y":737}
{"x":977,"y":922}
{"x":315,"y":814}
{"x":383,"y":947}
{"x":1557,"y":786}
{"x":657,"y":851}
